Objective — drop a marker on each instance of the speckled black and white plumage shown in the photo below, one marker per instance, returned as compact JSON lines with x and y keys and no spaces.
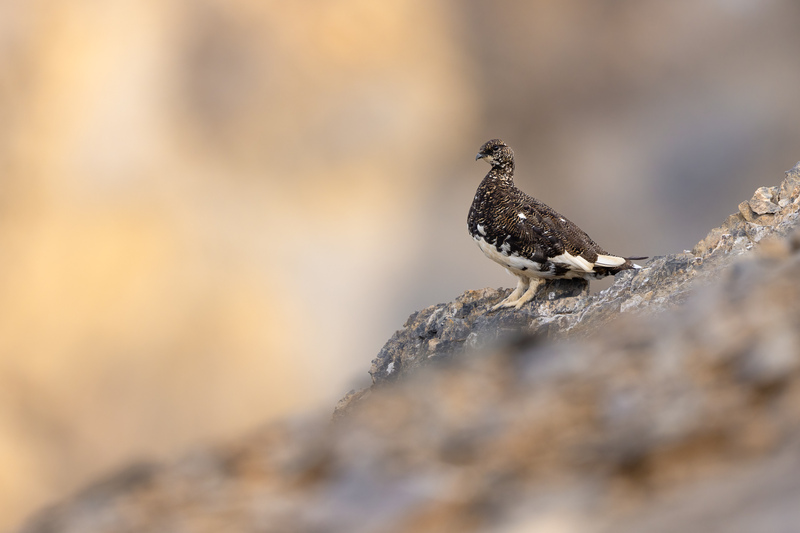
{"x":530,"y":239}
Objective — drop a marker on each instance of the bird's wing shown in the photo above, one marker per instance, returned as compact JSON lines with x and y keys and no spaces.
{"x":529,"y":234}
{"x":565,"y":243}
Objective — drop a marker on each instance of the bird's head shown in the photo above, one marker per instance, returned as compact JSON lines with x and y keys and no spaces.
{"x":496,"y":153}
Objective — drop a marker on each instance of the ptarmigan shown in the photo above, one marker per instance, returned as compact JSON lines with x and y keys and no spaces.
{"x":528,"y":238}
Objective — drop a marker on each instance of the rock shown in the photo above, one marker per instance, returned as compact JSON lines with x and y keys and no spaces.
{"x":790,"y":188}
{"x":659,"y":404}
{"x":564,"y":308}
{"x":761,"y":203}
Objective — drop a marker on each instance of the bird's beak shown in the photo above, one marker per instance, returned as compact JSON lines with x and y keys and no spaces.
{"x":480,"y":156}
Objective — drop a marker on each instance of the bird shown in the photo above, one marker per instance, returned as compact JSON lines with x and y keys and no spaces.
{"x":530,"y":239}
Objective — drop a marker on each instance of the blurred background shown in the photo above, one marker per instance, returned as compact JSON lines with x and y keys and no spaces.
{"x":213,"y":213}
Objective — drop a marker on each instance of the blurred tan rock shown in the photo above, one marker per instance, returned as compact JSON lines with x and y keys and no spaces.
{"x":185,"y":186}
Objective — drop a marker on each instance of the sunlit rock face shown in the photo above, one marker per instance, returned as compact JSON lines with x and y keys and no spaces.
{"x":188,"y":189}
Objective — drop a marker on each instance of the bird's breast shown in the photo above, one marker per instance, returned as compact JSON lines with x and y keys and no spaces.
{"x":503,"y":256}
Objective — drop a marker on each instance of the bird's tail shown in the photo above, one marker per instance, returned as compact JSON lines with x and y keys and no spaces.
{"x":637,"y":267}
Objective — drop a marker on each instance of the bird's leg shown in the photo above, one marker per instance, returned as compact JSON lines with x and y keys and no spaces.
{"x":529,"y":294}
{"x":511,"y":299}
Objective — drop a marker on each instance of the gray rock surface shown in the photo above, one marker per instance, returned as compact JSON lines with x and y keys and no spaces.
{"x":666,"y":403}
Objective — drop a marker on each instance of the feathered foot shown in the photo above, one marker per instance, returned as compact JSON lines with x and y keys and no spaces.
{"x":522,"y":294}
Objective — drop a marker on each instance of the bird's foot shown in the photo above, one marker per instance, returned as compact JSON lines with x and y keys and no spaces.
{"x":505,"y":303}
{"x":528,"y":296}
{"x":511,"y":299}
{"x":516,"y":300}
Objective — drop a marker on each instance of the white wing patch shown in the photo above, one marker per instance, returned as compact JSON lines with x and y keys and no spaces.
{"x":522,"y":216}
{"x":481,"y":230}
{"x":609,"y":261}
{"x":575,"y":262}
{"x":521,"y":266}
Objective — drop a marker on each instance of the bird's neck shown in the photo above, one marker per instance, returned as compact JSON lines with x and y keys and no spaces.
{"x":502,"y":174}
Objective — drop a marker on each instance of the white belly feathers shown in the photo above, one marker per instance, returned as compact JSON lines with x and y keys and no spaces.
{"x":520,"y":266}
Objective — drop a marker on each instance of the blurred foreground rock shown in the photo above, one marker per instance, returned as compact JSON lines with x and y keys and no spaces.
{"x":660,"y":404}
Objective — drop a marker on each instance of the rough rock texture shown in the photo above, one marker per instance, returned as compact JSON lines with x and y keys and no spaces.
{"x":671,"y":405}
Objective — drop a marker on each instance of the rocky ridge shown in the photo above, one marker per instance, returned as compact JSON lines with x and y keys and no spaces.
{"x":667,"y":401}
{"x":565,"y":308}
